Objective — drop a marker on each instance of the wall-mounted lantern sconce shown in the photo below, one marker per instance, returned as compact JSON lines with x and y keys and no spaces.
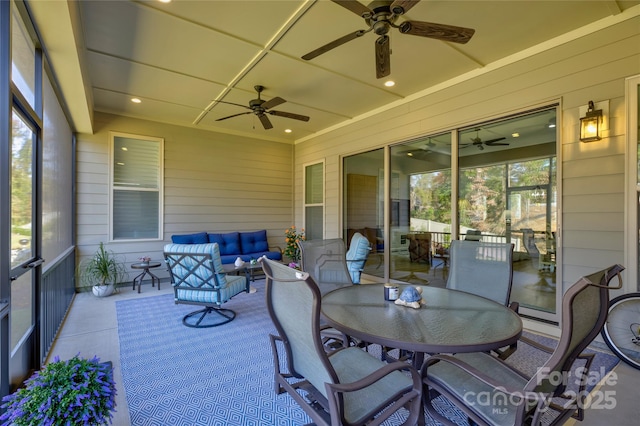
{"x":591,"y":124}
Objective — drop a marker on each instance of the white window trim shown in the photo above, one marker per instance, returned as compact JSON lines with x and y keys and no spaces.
{"x":112,"y":136}
{"x":304,"y":195}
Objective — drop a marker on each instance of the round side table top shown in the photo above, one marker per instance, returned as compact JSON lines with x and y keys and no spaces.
{"x":148,"y":265}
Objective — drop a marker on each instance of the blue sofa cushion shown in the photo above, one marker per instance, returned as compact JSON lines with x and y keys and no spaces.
{"x":199,"y":238}
{"x":254,"y":242}
{"x":228,"y":243}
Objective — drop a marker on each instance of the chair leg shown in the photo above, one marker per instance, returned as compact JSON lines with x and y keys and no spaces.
{"x":227,"y":315}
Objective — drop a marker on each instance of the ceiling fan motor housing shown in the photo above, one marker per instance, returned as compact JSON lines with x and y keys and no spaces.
{"x":380,"y":16}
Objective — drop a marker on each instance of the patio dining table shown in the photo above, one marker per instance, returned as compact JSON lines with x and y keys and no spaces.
{"x":450,"y":321}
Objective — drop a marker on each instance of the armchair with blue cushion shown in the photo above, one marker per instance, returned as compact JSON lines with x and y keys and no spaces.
{"x":198,"y":278}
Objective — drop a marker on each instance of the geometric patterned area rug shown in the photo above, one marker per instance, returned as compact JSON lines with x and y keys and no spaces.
{"x":177,"y":375}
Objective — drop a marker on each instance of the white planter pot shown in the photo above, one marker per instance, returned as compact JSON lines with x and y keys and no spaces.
{"x":103,"y":290}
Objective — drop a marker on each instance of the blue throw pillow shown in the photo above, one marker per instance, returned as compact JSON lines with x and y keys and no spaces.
{"x":199,"y":238}
{"x":357,"y":256}
{"x":254,"y":242}
{"x":228,"y":243}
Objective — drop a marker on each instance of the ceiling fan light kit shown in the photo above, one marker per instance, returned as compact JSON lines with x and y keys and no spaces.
{"x":380,"y":16}
{"x":261,"y":108}
{"x":480,"y":144}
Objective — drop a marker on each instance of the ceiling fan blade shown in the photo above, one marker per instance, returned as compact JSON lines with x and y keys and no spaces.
{"x":355,"y":6}
{"x":234,"y":115}
{"x":400,"y":7}
{"x":383,"y":57}
{"x":492,"y":142}
{"x":265,"y":122}
{"x":437,"y":31}
{"x":273,"y":102}
{"x":289,"y":115}
{"x":231,"y":103}
{"x":335,"y":43}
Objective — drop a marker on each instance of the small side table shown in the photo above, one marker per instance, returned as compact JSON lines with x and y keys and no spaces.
{"x":145,"y":267}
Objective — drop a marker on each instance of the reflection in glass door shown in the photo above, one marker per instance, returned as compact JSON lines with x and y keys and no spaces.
{"x":22,"y":230}
{"x":421,"y":210}
{"x":507,"y":193}
{"x":363,"y":192}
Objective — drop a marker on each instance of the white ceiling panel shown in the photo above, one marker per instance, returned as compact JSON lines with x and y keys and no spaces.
{"x":180,"y":56}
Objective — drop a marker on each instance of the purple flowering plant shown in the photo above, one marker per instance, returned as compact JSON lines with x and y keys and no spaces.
{"x":78,"y":391}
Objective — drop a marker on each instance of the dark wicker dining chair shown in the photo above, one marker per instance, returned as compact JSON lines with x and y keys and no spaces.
{"x":345,"y":387}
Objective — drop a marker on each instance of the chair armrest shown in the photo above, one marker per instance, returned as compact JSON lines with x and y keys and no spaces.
{"x":536,"y":345}
{"x":276,"y":248}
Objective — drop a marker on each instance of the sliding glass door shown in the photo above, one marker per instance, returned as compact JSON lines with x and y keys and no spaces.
{"x":493,"y":181}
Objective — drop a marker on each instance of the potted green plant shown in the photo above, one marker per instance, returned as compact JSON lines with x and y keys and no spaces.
{"x":78,"y":391}
{"x":103,"y":271}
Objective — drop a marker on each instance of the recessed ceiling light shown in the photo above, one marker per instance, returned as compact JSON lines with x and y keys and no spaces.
{"x":390,"y":83}
{"x":515,"y":135}
{"x":136,"y":100}
{"x":120,"y":164}
{"x":287,"y":130}
{"x":124,"y":148}
{"x":164,"y":1}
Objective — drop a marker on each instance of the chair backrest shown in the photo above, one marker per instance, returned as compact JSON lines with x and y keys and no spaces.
{"x":326,"y":262}
{"x":473,"y":235}
{"x":584,"y":311}
{"x":356,"y":256}
{"x":293,"y":302}
{"x":420,"y":247}
{"x":195,"y":265}
{"x":481,"y":268}
{"x":529,"y":242}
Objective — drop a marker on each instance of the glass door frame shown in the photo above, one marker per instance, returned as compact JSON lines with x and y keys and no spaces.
{"x":632,"y":198}
{"x":24,"y":356}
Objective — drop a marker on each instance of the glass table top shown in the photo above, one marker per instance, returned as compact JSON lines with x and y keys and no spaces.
{"x":450,"y":321}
